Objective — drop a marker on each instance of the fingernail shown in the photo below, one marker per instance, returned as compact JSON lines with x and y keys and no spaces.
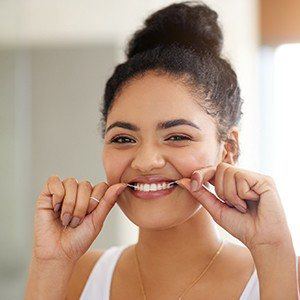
{"x":180,"y":184}
{"x":75,"y":221}
{"x":194,"y":185}
{"x":66,"y":219}
{"x":57,"y":207}
{"x":241,"y":208}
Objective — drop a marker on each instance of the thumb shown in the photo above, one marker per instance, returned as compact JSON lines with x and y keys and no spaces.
{"x":209,"y":201}
{"x":105,"y":205}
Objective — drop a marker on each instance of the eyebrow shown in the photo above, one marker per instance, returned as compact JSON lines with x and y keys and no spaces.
{"x":160,"y":125}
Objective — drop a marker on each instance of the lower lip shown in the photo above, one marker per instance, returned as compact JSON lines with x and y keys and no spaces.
{"x":153,"y":194}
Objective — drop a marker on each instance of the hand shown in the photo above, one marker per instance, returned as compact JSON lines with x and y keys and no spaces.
{"x":264,"y":222}
{"x":67,"y":202}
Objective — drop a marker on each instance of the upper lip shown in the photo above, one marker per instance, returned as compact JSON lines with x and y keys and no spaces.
{"x":150,"y":179}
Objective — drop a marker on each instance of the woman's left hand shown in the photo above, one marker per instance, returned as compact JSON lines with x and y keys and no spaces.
{"x":264,"y":222}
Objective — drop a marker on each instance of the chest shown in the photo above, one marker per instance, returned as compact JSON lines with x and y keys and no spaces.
{"x":128,"y":287}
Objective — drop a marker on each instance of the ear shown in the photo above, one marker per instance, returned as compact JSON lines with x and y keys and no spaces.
{"x":231,"y":146}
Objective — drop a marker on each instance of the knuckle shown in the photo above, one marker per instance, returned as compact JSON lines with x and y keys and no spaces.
{"x":227,"y":170}
{"x":220,"y":166}
{"x":223,"y":165}
{"x":53,"y":178}
{"x":102,"y":186}
{"x":269,"y":179}
{"x":85,"y":184}
{"x":56,"y":185}
{"x":238,"y":175}
{"x":71,"y":180}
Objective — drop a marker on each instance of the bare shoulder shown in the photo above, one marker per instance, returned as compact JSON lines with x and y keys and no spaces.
{"x":81,"y":273}
{"x":237,"y":262}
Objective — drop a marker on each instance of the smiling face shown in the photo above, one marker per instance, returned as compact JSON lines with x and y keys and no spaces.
{"x":144,"y":148}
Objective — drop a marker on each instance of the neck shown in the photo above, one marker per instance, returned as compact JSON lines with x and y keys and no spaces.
{"x":182,"y":249}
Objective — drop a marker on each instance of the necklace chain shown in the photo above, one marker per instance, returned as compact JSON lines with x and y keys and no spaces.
{"x":193,"y":282}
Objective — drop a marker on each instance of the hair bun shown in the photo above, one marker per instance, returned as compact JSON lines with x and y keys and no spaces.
{"x":187,"y":23}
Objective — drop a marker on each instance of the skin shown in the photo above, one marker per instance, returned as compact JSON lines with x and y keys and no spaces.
{"x":61,"y":263}
{"x":151,"y":153}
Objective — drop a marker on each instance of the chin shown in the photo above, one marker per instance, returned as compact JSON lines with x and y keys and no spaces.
{"x":158,"y":216}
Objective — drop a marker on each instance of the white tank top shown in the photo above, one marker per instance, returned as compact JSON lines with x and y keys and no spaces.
{"x":98,"y":284}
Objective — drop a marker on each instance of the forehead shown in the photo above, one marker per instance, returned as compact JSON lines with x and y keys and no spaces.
{"x":152,"y":98}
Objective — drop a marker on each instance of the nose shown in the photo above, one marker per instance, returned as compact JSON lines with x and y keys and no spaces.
{"x":148,"y":157}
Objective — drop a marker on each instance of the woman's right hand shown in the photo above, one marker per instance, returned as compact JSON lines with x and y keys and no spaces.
{"x":68,"y":202}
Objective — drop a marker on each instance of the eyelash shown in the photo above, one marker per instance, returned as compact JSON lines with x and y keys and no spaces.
{"x":118,"y":137}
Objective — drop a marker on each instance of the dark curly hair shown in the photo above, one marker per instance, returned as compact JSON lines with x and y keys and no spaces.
{"x":184,"y":41}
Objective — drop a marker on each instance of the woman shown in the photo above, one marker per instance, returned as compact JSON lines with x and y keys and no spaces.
{"x":170,"y":127}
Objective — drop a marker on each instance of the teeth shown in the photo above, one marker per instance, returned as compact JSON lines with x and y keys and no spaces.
{"x":145,"y":187}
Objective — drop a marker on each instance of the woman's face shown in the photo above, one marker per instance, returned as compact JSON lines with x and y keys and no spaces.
{"x":173,"y":152}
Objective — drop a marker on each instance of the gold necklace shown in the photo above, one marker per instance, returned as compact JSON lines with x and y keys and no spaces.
{"x":194,"y":281}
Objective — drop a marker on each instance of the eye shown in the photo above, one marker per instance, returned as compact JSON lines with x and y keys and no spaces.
{"x":181,"y":138}
{"x":118,"y":138}
{"x":126,"y":140}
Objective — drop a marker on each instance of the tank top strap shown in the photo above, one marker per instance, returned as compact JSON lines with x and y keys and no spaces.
{"x":99,"y":280}
{"x":251,"y":291}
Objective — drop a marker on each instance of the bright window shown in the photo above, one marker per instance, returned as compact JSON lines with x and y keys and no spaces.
{"x":281,"y":116}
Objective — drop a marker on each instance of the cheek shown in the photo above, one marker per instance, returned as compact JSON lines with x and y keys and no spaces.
{"x":114,"y":165}
{"x":193,"y":158}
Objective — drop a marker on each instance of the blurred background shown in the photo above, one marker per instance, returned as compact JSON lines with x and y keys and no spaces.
{"x":55,"y":57}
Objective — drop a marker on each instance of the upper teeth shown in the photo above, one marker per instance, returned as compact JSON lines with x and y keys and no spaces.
{"x":153,"y":186}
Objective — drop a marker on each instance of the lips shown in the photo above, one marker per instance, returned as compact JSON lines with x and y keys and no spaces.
{"x":151,"y":179}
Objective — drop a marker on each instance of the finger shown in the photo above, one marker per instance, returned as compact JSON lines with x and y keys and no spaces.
{"x":53,"y":192}
{"x":219,"y":179}
{"x":69,"y":201}
{"x":243,"y":189}
{"x":210,"y":202}
{"x":106,"y":204}
{"x":84,"y":191}
{"x":97,"y":193}
{"x":203,"y":175}
{"x":230,"y":190}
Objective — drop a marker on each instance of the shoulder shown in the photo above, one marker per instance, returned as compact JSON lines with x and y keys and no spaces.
{"x":238,"y":256}
{"x":81,"y":273}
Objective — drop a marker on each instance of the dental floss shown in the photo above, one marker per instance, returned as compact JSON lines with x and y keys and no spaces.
{"x":135,"y":186}
{"x":130,"y":185}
